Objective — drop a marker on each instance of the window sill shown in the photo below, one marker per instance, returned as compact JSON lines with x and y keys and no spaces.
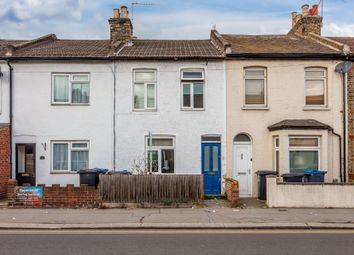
{"x":192,"y":109}
{"x":320,"y":108}
{"x":63,"y":172}
{"x":252,"y":108}
{"x":55,"y":104}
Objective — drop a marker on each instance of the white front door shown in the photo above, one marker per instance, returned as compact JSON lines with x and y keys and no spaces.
{"x":242,"y":168}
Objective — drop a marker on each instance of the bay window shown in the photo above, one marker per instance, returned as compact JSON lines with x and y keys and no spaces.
{"x":276,"y":154}
{"x":304,"y":154}
{"x":145,"y":90}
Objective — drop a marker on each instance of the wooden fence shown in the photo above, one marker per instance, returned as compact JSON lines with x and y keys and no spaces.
{"x":120,"y":188}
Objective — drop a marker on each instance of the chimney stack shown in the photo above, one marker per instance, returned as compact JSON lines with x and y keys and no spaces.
{"x":307,"y":22}
{"x":121,"y":27}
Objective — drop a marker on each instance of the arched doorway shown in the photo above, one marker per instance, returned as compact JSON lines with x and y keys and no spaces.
{"x":242,"y":163}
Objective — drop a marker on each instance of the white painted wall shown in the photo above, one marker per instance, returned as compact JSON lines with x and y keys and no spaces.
{"x":4,"y":93}
{"x":36,"y":120}
{"x":299,"y":195}
{"x":169,"y":119}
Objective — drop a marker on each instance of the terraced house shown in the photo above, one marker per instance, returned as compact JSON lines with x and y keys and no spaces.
{"x":227,"y":106}
{"x":284,"y":102}
{"x":115,"y":104}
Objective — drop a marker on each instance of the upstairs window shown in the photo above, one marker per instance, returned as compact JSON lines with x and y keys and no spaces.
{"x":192,"y":89}
{"x":315,"y":86}
{"x":71,"y":89}
{"x":145,"y":90}
{"x":255,"y":86}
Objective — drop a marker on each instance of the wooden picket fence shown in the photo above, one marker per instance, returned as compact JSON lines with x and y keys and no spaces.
{"x":120,"y":188}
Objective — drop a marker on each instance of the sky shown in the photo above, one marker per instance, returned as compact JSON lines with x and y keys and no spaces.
{"x":164,"y":19}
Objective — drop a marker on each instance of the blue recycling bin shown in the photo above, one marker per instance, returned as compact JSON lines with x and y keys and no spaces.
{"x":315,"y":175}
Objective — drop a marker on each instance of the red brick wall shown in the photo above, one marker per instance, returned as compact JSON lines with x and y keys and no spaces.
{"x":4,"y":159}
{"x":351,"y":124}
{"x":57,"y":196}
{"x":232,"y":192}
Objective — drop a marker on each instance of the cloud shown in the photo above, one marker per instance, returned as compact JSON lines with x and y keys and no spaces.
{"x":334,"y":29}
{"x":27,"y":10}
{"x":168,"y":19}
{"x":190,"y":24}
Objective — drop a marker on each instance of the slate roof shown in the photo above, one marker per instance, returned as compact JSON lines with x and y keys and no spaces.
{"x":299,"y":124}
{"x":286,"y":45}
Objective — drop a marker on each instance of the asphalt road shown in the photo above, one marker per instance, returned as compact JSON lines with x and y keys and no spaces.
{"x":176,"y":242}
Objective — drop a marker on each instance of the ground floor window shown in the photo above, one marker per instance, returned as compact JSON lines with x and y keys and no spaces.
{"x":70,"y":156}
{"x":304,"y":154}
{"x":160,"y":154}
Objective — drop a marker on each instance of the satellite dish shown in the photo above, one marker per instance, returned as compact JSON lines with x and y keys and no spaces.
{"x":344,"y":67}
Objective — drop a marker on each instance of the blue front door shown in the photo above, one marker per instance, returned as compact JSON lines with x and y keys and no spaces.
{"x":211,"y":168}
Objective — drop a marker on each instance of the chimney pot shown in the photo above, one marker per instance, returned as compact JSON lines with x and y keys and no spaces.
{"x":116,"y":13}
{"x":293,"y":18}
{"x":124,"y":11}
{"x":314,"y":10}
{"x":305,"y":9}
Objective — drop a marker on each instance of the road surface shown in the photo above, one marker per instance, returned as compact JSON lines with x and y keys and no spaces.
{"x":173,"y":242}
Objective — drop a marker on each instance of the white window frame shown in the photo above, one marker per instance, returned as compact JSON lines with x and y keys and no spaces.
{"x":158,"y":149}
{"x":314,"y":148}
{"x":146,"y":83}
{"x":264,"y":69}
{"x":276,"y":149}
{"x":191,"y":82}
{"x":71,"y":82}
{"x":70,"y":149}
{"x":324,"y":78}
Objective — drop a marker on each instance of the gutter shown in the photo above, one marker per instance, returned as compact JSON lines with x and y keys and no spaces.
{"x":10,"y":113}
{"x":300,"y":56}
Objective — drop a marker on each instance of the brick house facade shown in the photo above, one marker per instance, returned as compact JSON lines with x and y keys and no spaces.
{"x":351,"y":125}
{"x":349,"y":41}
{"x":4,"y":158}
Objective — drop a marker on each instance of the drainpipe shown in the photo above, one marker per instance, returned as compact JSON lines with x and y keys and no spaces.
{"x":114,"y":115}
{"x":340,"y":154}
{"x":10,"y":113}
{"x":345,"y":76}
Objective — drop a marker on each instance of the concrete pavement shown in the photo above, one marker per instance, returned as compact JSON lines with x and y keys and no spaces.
{"x":184,"y":218}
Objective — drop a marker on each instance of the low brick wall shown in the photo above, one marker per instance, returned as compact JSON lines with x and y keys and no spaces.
{"x":232,"y":191}
{"x":57,"y":196}
{"x":4,"y":158}
{"x":351,"y":177}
